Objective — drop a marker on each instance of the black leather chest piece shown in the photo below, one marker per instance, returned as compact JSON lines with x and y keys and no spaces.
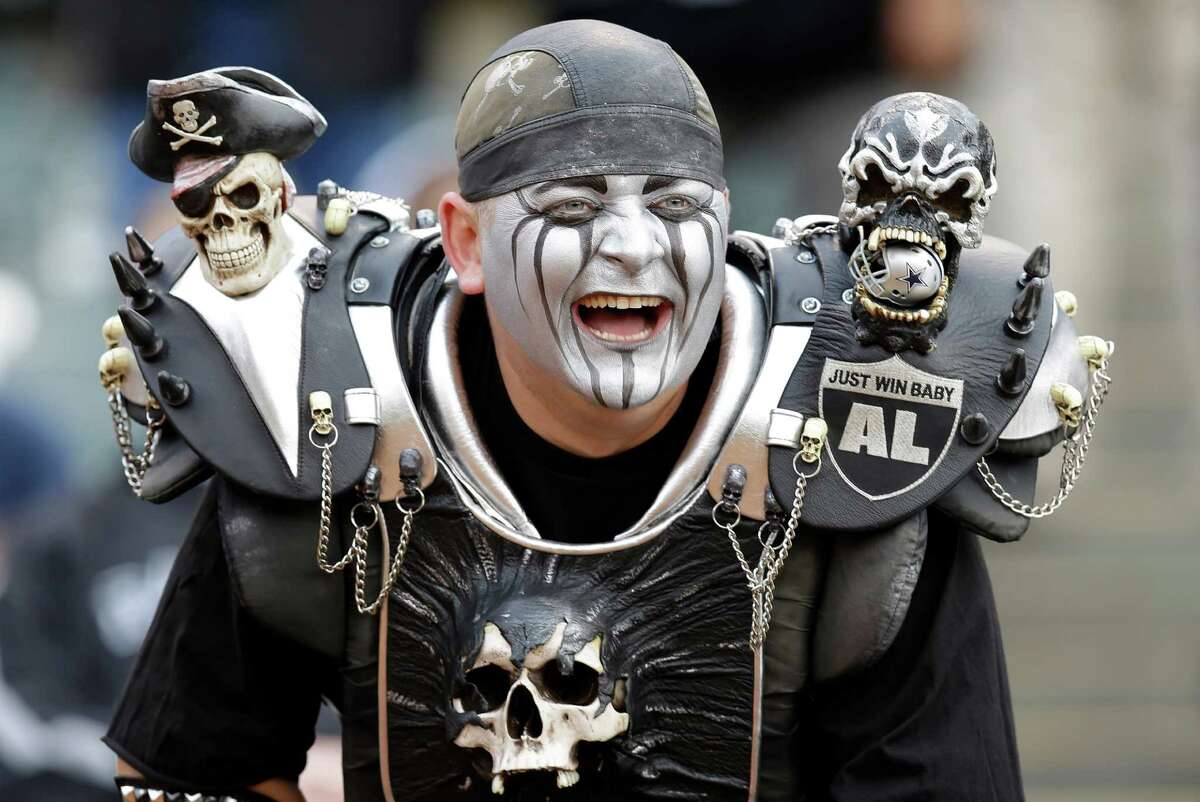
{"x":523,"y":674}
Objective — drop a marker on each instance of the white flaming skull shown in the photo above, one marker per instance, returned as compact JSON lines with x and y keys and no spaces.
{"x":925,"y":146}
{"x":534,"y":715}
{"x":241,"y":240}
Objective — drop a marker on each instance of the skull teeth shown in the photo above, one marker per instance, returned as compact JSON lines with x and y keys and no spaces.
{"x":605,"y":301}
{"x":881,"y":235}
{"x":232,"y":262}
{"x":498,"y":784}
{"x":567,"y":778}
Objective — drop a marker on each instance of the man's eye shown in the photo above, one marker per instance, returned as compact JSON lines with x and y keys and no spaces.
{"x":676,"y":204}
{"x":573,"y":209}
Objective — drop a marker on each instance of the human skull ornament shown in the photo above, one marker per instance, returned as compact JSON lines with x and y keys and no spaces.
{"x":1069,"y":403}
{"x":925,"y":151}
{"x":532,"y":712}
{"x":812,"y":439}
{"x":237,"y":225}
{"x":187,"y":116}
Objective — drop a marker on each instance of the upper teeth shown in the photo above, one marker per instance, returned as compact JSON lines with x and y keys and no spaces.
{"x":882,"y":235}
{"x":601,"y":301}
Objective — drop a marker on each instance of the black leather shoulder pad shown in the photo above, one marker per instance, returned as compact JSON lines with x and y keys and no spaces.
{"x":970,"y":502}
{"x":894,"y":444}
{"x":175,"y":470}
{"x":269,"y":545}
{"x":869,"y":584}
{"x":379,"y":273}
{"x":219,"y":421}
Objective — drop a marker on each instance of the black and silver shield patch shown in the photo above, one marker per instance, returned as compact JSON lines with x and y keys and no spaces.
{"x":890,"y":424}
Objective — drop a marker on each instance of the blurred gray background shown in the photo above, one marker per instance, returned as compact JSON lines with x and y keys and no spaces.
{"x":1095,"y":110}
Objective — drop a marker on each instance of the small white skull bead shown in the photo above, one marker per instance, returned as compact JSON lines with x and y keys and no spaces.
{"x":535,"y":716}
{"x":237,"y":226}
{"x":187,"y":116}
{"x":1069,"y":403}
{"x":812,"y":439}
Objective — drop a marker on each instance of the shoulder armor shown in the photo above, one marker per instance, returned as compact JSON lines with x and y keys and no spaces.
{"x":869,"y":582}
{"x":919,"y":400}
{"x":220,"y":422}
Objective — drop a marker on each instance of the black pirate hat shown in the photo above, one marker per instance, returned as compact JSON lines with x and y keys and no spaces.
{"x":227,"y":111}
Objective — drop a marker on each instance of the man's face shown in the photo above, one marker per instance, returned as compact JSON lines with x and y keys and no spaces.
{"x":610,"y":283}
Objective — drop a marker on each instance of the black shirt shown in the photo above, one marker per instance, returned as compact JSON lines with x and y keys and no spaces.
{"x":553,"y":485}
{"x":217,"y":702}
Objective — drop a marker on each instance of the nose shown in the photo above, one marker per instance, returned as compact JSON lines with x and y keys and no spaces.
{"x":522,"y":716}
{"x":632,"y":241}
{"x":221,"y":221}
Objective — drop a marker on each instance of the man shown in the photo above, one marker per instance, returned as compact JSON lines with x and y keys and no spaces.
{"x":593,"y":448}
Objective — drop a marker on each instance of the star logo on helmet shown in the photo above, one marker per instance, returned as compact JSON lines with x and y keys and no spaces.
{"x":914,"y":279}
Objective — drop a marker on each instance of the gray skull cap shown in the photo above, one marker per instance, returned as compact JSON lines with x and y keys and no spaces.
{"x":584,"y":97}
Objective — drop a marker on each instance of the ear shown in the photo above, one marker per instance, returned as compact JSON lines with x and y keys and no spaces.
{"x":460,"y":241}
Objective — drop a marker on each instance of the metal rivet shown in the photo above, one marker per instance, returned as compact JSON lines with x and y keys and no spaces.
{"x":807,"y":257}
{"x":426,"y":218}
{"x":810,"y":305}
{"x":848,"y":295}
{"x":360,"y":284}
{"x":380,"y":242}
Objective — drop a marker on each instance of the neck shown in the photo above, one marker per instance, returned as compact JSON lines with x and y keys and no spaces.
{"x":567,"y":420}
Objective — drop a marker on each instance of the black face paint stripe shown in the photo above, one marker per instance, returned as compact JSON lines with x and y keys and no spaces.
{"x":626,"y":378}
{"x":516,"y":235}
{"x":712,"y":269}
{"x":593,"y":374}
{"x":586,"y":252}
{"x":596,"y":183}
{"x":585,"y":256}
{"x":538,"y":246}
{"x":662,"y":371}
{"x":654,"y":182}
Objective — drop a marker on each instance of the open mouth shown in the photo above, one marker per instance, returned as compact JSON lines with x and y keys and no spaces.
{"x":882,"y":235}
{"x":622,"y":319}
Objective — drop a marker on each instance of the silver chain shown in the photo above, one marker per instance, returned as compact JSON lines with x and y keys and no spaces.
{"x":1075,"y":451}
{"x":133,"y":464}
{"x":809,"y":232}
{"x":761,"y":578}
{"x":357,"y":553}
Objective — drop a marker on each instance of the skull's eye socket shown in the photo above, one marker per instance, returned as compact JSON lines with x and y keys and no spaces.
{"x":196,"y":201}
{"x":245,"y":196}
{"x":580,"y":687}
{"x":487,"y":688}
{"x":874,"y":188}
{"x":955,"y":202}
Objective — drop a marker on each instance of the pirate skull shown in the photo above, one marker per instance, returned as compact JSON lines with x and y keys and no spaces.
{"x":531,"y":712}
{"x":919,"y":165}
{"x":187,"y":116}
{"x":236,"y":225}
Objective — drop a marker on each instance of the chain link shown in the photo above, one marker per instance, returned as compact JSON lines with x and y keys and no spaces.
{"x":809,"y":232}
{"x":1075,"y":451}
{"x":134,"y":464}
{"x":357,"y":552}
{"x":761,"y":578}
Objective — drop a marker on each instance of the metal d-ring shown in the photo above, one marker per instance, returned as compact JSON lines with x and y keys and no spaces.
{"x":420,"y":505}
{"x":312,"y":430}
{"x":374,"y":516}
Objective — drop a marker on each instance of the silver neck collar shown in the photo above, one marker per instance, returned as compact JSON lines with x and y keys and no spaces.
{"x":485,"y":493}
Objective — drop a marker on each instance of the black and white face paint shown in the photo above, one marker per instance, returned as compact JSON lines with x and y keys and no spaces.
{"x":611,"y":283}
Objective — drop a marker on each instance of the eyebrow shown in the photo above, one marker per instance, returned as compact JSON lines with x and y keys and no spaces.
{"x":657,"y":182}
{"x":592,"y":182}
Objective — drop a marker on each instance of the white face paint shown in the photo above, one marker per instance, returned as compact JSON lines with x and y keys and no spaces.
{"x":610,"y":283}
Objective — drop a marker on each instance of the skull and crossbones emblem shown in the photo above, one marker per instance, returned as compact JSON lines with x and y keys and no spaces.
{"x":188,"y":127}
